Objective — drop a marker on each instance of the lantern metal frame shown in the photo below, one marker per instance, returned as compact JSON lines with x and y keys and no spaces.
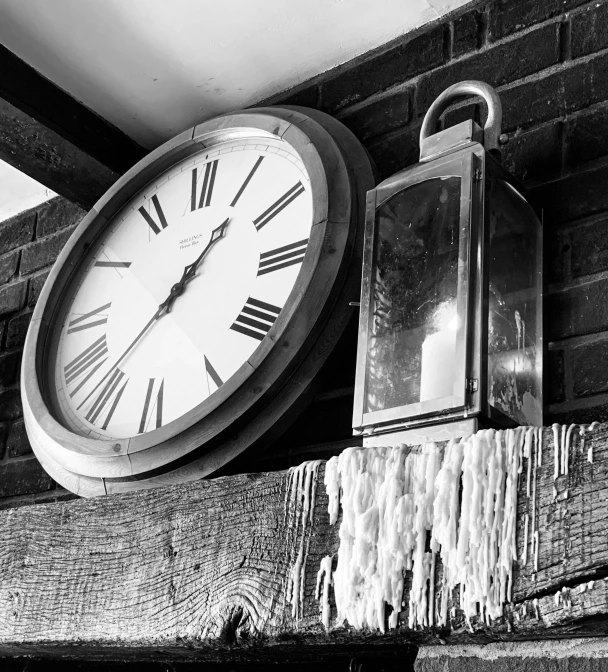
{"x":471,"y":154}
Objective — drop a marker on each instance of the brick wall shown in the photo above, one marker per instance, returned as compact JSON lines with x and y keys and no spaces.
{"x":549,"y":62}
{"x":29,"y":244}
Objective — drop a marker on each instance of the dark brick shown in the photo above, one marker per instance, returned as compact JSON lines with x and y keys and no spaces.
{"x":465,"y":35}
{"x":14,"y":664}
{"x":507,"y":17}
{"x":575,"y":196}
{"x":386,"y":69}
{"x":8,"y":266}
{"x":396,"y":152}
{"x":308,"y":97}
{"x":532,"y":102}
{"x":43,"y":252}
{"x":554,"y":376}
{"x":557,"y":248}
{"x":514,"y":662}
{"x":587,"y":136}
{"x":566,"y":416}
{"x":585,"y":83}
{"x":497,"y":66}
{"x":456,"y":114}
{"x":17,"y":330}
{"x":534,"y":154}
{"x":12,"y":297}
{"x":588,"y":369}
{"x":36,"y":285}
{"x":9,"y":366}
{"x":23,"y":477}
{"x":573,"y":87}
{"x":57,"y":214}
{"x":577,"y":311}
{"x":17,"y":231}
{"x":589,"y":31}
{"x":380,"y":116}
{"x":17,"y":443}
{"x":10,"y":405}
{"x":589,"y":248}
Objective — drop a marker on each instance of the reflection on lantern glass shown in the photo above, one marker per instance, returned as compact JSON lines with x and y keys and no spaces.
{"x":413,"y":321}
{"x":438,"y":362}
{"x":514,"y":345}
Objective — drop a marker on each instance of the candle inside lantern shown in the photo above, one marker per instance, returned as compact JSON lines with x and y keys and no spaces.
{"x":438,"y":363}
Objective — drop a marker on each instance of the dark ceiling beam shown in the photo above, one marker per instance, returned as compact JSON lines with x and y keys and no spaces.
{"x":27,"y":90}
{"x":50,"y":159}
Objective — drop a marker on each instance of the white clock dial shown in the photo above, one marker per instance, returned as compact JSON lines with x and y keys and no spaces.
{"x":130,"y":360}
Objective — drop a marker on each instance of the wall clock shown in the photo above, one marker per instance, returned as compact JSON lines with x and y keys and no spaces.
{"x":194,"y":304}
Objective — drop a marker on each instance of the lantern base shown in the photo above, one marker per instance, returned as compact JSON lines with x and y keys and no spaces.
{"x":420,"y":435}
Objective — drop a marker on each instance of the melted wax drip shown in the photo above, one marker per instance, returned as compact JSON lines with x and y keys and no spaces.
{"x":394,"y":499}
{"x":324,"y":578}
{"x":300,"y":497}
{"x":463,"y":498}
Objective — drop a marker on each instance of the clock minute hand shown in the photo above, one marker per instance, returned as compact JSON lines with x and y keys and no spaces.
{"x":165,"y":306}
{"x":190,"y":270}
{"x":133,"y":343}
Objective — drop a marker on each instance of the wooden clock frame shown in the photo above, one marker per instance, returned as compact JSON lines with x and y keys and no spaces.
{"x":248,"y":406}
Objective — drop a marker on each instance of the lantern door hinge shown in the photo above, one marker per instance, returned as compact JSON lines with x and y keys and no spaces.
{"x":477,"y":175}
{"x":471,"y":385}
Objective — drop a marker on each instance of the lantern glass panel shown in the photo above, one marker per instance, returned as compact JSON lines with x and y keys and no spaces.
{"x":514,"y":294}
{"x":413,"y":319}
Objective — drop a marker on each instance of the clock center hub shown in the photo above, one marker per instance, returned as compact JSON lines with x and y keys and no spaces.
{"x":213,"y":296}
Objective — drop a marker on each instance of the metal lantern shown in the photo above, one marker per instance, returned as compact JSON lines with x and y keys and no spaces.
{"x":450,"y":332}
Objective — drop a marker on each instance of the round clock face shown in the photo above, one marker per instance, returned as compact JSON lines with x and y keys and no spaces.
{"x":181,"y":288}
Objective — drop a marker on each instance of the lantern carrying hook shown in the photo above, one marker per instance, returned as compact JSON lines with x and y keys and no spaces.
{"x":492,"y":128}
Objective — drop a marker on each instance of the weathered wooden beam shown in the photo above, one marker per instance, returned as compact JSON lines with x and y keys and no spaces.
{"x":53,"y":108}
{"x":41,"y":153}
{"x":228,"y":568}
{"x":55,"y":139}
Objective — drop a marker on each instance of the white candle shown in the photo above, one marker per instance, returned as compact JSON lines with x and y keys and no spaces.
{"x":438,"y":365}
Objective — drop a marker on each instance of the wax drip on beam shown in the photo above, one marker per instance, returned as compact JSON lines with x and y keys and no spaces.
{"x":395,"y":499}
{"x":561,"y":446}
{"x":405,"y":508}
{"x":300,"y":501}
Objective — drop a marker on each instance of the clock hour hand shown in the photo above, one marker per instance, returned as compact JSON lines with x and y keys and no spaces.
{"x":165,"y":306}
{"x":190,"y":270}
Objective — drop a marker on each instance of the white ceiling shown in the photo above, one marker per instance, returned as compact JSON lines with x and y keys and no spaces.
{"x":156,"y":67}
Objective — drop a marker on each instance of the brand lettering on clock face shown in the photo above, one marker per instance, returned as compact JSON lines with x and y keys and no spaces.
{"x":188,"y":280}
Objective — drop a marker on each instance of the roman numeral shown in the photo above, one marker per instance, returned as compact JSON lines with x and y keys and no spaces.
{"x":256,"y":318}
{"x":207,"y":190}
{"x":113,"y":264}
{"x":161,"y":216}
{"x":246,"y":182}
{"x":114,"y":405}
{"x":148,"y":411}
{"x":104,"y":397}
{"x":212,"y":374}
{"x":288,"y":255}
{"x":85,"y":321}
{"x":87,"y":362}
{"x":278,"y":205}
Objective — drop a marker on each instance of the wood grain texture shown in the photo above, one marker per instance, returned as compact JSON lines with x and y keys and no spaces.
{"x":205,"y":570}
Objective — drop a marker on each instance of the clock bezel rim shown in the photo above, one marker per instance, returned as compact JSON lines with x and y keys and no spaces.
{"x":239,"y":377}
{"x":73,"y":455}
